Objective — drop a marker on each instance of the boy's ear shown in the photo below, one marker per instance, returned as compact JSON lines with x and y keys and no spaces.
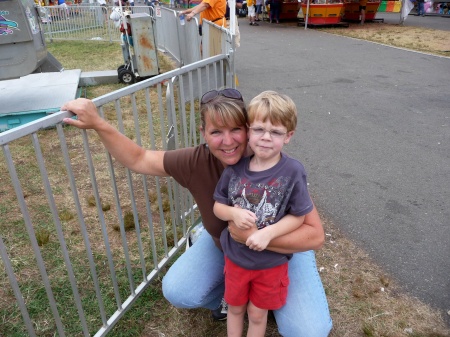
{"x":288,"y":137}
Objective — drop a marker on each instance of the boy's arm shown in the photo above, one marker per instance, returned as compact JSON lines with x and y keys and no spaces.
{"x":243,"y":218}
{"x":259,"y":240}
{"x":310,"y":236}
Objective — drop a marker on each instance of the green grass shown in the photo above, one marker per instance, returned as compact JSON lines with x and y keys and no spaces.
{"x":79,"y":54}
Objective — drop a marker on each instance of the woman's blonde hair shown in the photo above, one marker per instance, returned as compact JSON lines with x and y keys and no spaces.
{"x":224,"y":111}
{"x":279,"y":109}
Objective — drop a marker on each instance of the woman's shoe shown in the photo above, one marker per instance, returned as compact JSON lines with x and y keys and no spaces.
{"x":220,"y":314}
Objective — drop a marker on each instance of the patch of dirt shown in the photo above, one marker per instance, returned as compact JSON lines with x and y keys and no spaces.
{"x":415,"y":38}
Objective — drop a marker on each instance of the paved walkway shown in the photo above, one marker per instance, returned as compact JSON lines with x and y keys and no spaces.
{"x":374,"y":135}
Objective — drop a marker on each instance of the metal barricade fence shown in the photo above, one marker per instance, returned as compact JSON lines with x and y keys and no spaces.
{"x":216,"y":40}
{"x":182,"y":42}
{"x":185,"y":48}
{"x":81,"y":236}
{"x":83,"y":22}
{"x":78,"y":22}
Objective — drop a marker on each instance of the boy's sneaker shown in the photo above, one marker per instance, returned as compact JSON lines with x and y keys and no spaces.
{"x":220,"y":314}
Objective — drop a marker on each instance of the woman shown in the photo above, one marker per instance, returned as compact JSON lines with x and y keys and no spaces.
{"x":196,"y":277}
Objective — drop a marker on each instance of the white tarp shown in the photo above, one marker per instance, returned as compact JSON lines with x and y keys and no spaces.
{"x":407,"y":6}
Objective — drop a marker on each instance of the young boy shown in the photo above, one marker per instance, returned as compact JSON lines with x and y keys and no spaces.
{"x":265,"y":193}
{"x":252,"y":12}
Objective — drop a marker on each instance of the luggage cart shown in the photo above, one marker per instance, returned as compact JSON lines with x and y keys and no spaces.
{"x":138,"y":48}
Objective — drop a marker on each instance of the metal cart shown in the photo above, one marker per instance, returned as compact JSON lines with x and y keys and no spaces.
{"x":138,"y":48}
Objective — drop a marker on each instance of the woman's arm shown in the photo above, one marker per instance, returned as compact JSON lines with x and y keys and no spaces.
{"x":191,"y":12}
{"x":123,"y":149}
{"x":260,"y":239}
{"x":310,"y":236}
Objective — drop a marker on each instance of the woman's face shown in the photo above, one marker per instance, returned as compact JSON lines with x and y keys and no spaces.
{"x":226,"y":142}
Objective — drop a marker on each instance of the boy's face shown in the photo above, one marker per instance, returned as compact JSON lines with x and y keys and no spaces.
{"x":267,"y":140}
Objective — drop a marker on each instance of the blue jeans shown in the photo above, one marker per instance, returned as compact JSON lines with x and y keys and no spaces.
{"x":421,"y":8}
{"x":196,"y":280}
{"x":275,"y":8}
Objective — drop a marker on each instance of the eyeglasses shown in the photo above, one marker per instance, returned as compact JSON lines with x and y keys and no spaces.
{"x":258,"y":131}
{"x":228,"y":93}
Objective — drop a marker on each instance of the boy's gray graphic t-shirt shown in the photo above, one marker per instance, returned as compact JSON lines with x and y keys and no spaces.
{"x":270,"y":194}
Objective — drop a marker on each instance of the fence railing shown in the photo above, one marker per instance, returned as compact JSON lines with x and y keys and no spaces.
{"x":90,"y":22}
{"x":80,"y":22}
{"x":182,"y":42}
{"x":81,"y":237}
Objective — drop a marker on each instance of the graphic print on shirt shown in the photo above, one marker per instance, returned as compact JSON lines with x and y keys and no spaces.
{"x":266,"y":200}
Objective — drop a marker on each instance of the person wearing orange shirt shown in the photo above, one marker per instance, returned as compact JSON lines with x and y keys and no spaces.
{"x":211,"y":10}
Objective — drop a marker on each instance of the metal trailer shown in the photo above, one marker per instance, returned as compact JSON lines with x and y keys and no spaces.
{"x":22,"y":42}
{"x":139,"y":49}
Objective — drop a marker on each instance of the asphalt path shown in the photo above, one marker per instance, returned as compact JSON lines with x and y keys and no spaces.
{"x":374,"y":136}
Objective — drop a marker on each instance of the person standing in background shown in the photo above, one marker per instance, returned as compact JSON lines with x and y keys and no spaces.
{"x":239,"y":4}
{"x":259,"y":4}
{"x":251,"y":6}
{"x":362,"y":10}
{"x":102,"y":4}
{"x":275,"y":8}
{"x":420,"y":7}
{"x":211,"y":10}
{"x":64,"y":10}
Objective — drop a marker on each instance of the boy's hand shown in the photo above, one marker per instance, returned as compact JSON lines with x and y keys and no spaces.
{"x":243,"y":218}
{"x":259,"y":240}
{"x":240,"y":235}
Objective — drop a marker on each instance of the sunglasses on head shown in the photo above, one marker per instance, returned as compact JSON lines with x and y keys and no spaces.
{"x":228,"y":93}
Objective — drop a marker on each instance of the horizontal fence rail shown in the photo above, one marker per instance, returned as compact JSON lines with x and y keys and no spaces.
{"x":82,"y":237}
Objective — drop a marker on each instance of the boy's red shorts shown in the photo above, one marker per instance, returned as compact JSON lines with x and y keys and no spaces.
{"x":266,"y":288}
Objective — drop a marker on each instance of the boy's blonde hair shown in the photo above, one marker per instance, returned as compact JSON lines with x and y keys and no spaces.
{"x":277,"y":108}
